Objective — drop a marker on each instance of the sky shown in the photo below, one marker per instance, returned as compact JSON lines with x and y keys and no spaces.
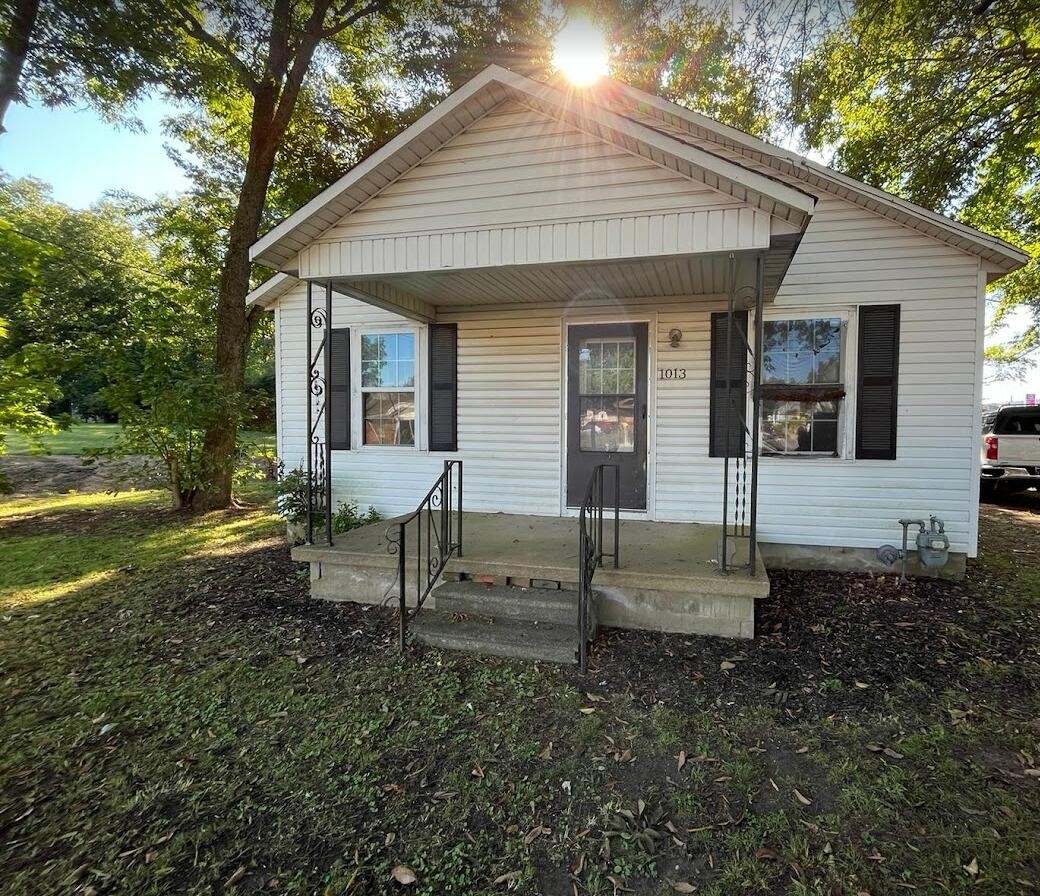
{"x":82,"y":156}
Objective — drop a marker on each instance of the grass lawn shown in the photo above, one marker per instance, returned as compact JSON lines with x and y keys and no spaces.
{"x":82,"y":437}
{"x":180,"y":718}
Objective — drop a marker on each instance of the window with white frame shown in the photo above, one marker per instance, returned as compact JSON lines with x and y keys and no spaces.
{"x":803,"y":387}
{"x":388,"y":388}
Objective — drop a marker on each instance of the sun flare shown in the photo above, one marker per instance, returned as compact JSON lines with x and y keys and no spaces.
{"x":581,"y":53}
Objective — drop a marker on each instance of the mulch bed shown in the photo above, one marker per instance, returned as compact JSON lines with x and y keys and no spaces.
{"x":827,"y":643}
{"x":262,"y":586}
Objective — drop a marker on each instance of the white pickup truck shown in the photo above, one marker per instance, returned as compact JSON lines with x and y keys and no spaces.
{"x":1011,"y":448}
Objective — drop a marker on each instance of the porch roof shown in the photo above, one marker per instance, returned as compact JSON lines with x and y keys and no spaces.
{"x":420,"y":295}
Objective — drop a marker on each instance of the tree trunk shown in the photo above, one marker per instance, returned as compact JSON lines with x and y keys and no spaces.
{"x":15,"y":49}
{"x":232,"y":341}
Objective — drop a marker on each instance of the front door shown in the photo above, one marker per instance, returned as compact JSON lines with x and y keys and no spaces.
{"x":606,"y":409}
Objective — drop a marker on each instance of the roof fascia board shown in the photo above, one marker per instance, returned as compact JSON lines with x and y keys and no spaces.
{"x":271,"y":290}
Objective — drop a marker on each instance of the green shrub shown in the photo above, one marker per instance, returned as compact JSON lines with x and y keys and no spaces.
{"x":348,"y":516}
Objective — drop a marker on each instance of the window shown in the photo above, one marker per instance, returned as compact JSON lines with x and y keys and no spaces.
{"x":802,"y":387}
{"x":1018,"y":423}
{"x":607,"y":394}
{"x":388,"y":388}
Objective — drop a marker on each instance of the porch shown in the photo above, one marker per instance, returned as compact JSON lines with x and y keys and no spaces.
{"x":524,"y":570}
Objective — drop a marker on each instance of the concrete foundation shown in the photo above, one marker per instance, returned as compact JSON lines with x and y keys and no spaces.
{"x":667,"y":580}
{"x":863,"y":560}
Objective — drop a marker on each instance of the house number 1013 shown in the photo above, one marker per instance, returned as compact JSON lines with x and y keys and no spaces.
{"x":671,"y":373}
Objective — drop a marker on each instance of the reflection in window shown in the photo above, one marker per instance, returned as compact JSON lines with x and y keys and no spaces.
{"x":802,"y":389}
{"x":800,"y":427}
{"x":606,"y":387}
{"x":388,"y":388}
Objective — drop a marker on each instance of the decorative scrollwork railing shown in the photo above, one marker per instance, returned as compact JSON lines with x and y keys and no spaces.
{"x":590,"y":548}
{"x":436,"y":527}
{"x":319,"y":473}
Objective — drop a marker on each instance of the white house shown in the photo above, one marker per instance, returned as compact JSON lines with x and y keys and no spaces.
{"x":534,"y":280}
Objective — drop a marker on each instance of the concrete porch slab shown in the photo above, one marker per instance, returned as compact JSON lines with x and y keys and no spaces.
{"x":667,"y":580}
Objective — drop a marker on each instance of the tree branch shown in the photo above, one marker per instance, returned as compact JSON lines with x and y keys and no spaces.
{"x":371,"y":8}
{"x":197,"y":30}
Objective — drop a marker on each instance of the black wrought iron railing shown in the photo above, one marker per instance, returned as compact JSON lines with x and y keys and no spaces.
{"x":434,"y":531}
{"x":590,"y":547}
{"x":319,"y":440}
{"x":740,"y":466}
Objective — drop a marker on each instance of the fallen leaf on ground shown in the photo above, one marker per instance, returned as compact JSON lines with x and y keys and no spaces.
{"x":766,"y":854}
{"x":682,"y":886}
{"x":403,"y":875}
{"x":534,"y":834}
{"x":507,"y":877}
{"x":802,"y":798}
{"x":681,"y":758}
{"x":972,"y":867}
{"x":726,"y":665}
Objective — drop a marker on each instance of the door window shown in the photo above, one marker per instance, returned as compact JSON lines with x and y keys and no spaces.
{"x":607,"y":394}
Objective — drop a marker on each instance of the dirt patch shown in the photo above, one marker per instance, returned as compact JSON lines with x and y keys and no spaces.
{"x":63,"y":473}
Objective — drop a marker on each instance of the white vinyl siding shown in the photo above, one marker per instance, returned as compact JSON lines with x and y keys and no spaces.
{"x":518,"y":187}
{"x":510,"y":398}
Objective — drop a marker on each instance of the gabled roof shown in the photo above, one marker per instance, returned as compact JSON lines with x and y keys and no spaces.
{"x":685,"y":124}
{"x":278,"y":248}
{"x":722,"y":157}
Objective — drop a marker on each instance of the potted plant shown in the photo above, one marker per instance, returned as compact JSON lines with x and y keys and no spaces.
{"x":291,"y":505}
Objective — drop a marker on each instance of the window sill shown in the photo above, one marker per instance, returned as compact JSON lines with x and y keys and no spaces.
{"x":800,"y":457}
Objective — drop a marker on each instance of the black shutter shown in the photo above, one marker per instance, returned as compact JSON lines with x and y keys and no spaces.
{"x":876,"y":404}
{"x":725,"y":413}
{"x":444,"y":391}
{"x":338,"y":406}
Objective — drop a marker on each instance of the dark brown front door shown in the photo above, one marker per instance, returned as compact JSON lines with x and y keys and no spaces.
{"x":606,"y":409}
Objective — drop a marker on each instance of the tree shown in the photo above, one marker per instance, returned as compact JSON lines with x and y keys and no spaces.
{"x":74,"y":286}
{"x":695,"y":57}
{"x":60,"y":52}
{"x":939,"y":101}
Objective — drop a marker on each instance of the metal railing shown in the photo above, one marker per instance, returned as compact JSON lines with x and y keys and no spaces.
{"x":319,"y":433}
{"x":740,"y":466}
{"x":436,"y":526}
{"x":590,"y":548}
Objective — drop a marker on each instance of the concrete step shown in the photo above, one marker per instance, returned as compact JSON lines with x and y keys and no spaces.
{"x":512,"y":603}
{"x":516,"y":639}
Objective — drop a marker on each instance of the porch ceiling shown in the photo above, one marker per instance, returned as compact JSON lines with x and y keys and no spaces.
{"x":666,"y":276}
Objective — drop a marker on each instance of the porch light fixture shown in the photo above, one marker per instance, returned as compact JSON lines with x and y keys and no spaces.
{"x":675,"y":336}
{"x":580,"y":52}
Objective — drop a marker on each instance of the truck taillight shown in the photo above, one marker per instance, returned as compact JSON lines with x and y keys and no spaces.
{"x":991,"y":448}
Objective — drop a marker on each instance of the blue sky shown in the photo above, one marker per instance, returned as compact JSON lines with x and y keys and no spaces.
{"x":82,"y":156}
